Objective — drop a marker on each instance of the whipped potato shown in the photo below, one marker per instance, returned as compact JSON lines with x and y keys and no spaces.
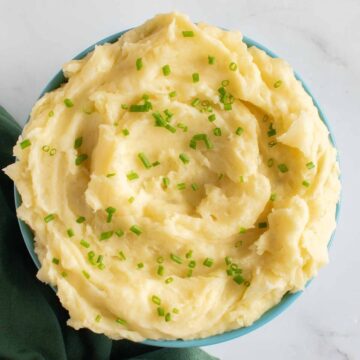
{"x":178,"y":184}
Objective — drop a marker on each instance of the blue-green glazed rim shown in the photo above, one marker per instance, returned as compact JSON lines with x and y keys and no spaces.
{"x":287,"y":299}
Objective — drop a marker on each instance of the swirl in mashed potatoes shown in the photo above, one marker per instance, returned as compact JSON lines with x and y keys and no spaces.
{"x":178,"y":184}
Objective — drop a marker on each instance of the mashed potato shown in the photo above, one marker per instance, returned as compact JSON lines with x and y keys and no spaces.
{"x":178,"y":185}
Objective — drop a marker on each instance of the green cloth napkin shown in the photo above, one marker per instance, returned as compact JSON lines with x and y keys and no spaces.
{"x":32,"y":321}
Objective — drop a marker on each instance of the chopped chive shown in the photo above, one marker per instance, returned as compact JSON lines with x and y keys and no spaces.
{"x":160,"y":270}
{"x":228,"y":260}
{"x":132,"y":175}
{"x":270,"y":162}
{"x":188,"y":255}
{"x":98,"y":318}
{"x":68,"y":103}
{"x":212,"y":117}
{"x":181,"y":186}
{"x":273,"y":197}
{"x":70,"y":232}
{"x":52,"y":152}
{"x":51,"y":113}
{"x":242,"y":230}
{"x":239,"y":131}
{"x":161,"y":311}
{"x":145,"y":161}
{"x":195,"y":77}
{"x":136,"y":230}
{"x":224,"y":83}
{"x":160,"y":260}
{"x":182,"y":126}
{"x":131,"y":199}
{"x":200,"y":137}
{"x":176,"y":258}
{"x":306,"y":183}
{"x":168,"y":114}
{"x":233,"y":66}
{"x":220,"y":176}
{"x":166,"y":182}
{"x":217,"y":131}
{"x":140,"y":107}
{"x":310,"y":165}
{"x":184,"y":158}
{"x":64,"y":274}
{"x":156,"y":300}
{"x":169,"y":280}
{"x":91,"y":257}
{"x":80,"y":159}
{"x":119,"y":232}
{"x":124,"y":106}
{"x":189,"y":273}
{"x":125,"y":132}
{"x":106,"y":235}
{"x":188,"y":33}
{"x":208,"y":262}
{"x":175,"y":310}
{"x":45,"y":148}
{"x":229,"y":272}
{"x":238,"y":279}
{"x":168,"y":317}
{"x":110,"y":211}
{"x":56,"y":261}
{"x":80,"y":219}
{"x":161,"y":122}
{"x":172,"y":94}
{"x":166,"y":70}
{"x":100,"y":259}
{"x":227,"y":107}
{"x":170,"y":128}
{"x":277,"y":84}
{"x":192,"y":264}
{"x":283,"y":168}
{"x":155,"y":163}
{"x":110,"y":175}
{"x":121,"y":256}
{"x":121,"y":321}
{"x":195,"y":102}
{"x":139,"y":64}
{"x":25,"y":143}
{"x":241,"y":179}
{"x":86,"y":274}
{"x":271,"y":131}
{"x":194,"y":186}
{"x":84,"y":243}
{"x":262,"y":225}
{"x":49,"y":218}
{"x":101,"y":266}
{"x":78,"y":142}
{"x":211,"y":60}
{"x":140,"y":265}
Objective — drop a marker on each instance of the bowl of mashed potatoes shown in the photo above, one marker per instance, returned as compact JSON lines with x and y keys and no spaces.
{"x":176,"y":183}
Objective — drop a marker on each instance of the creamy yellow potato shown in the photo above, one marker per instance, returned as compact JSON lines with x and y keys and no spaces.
{"x":178,"y":185}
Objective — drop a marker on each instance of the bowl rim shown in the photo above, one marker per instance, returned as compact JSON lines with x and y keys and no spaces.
{"x":269,"y":315}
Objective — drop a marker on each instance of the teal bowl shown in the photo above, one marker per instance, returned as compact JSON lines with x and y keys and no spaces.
{"x":287,"y":299}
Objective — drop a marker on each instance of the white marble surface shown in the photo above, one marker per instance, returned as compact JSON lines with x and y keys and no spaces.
{"x":321,"y":39}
